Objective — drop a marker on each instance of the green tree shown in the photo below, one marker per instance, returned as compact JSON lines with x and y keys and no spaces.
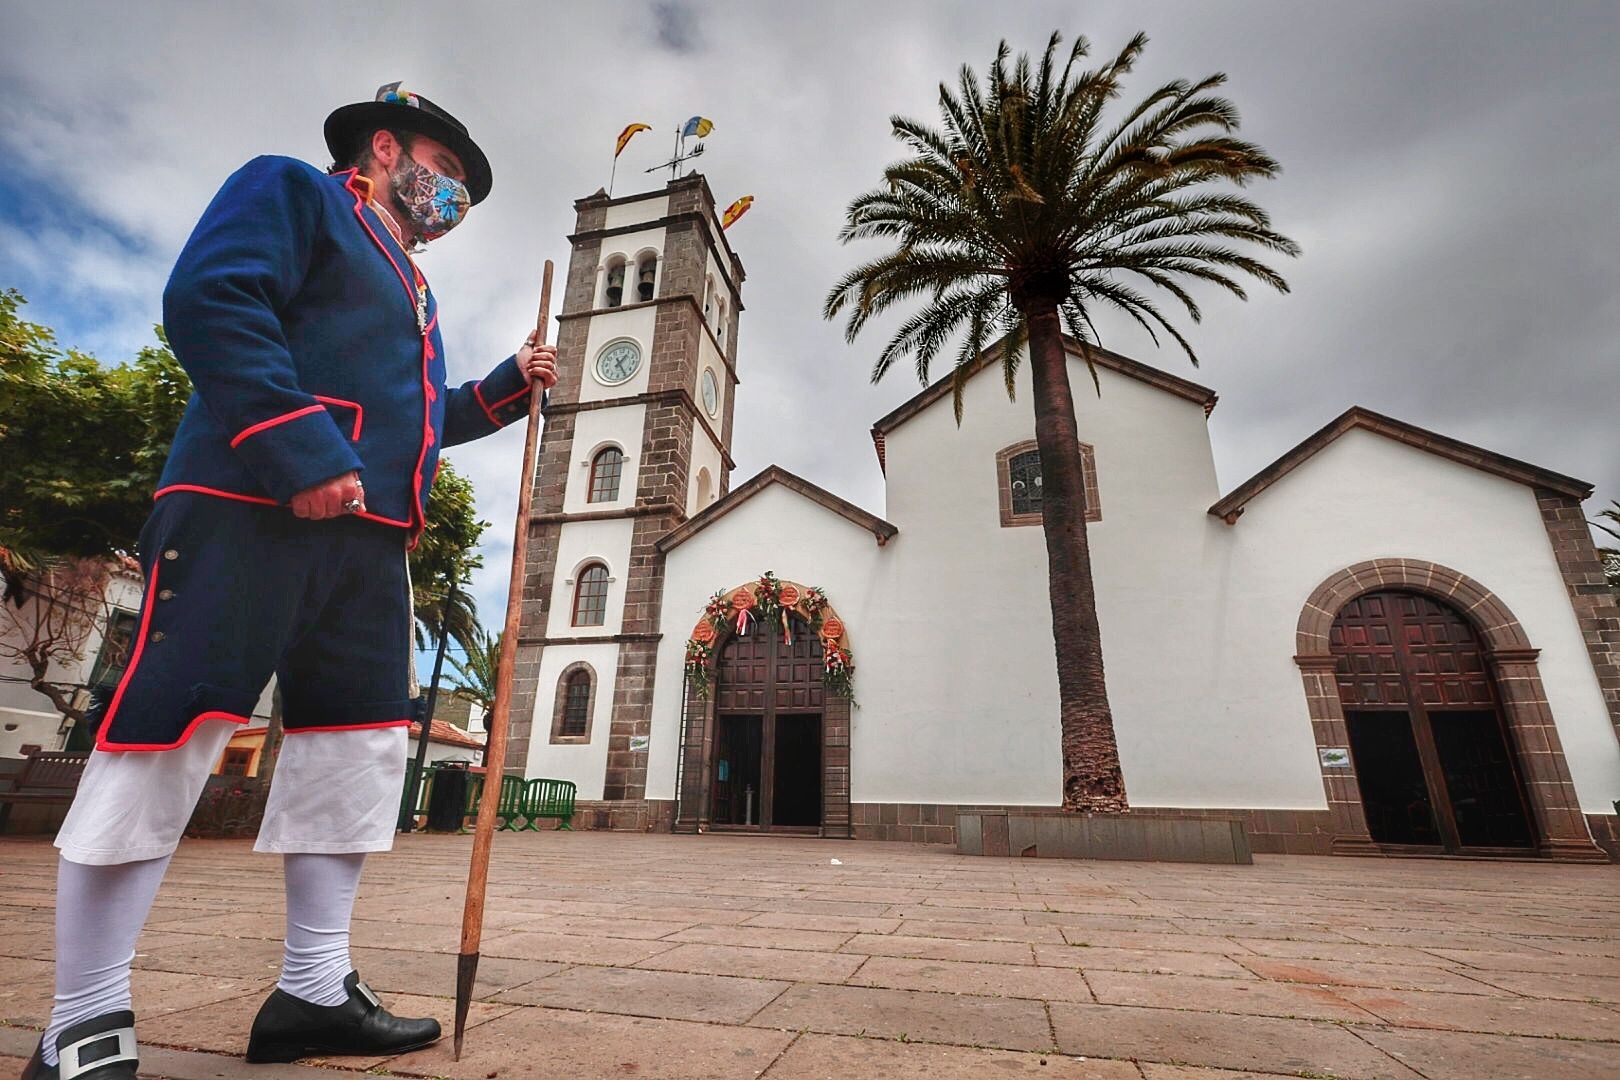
{"x":83,"y":443}
{"x":475,"y":676}
{"x":1025,"y":214}
{"x":83,"y":446}
{"x":443,"y":561}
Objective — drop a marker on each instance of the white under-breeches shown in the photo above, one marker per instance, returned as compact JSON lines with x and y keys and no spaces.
{"x":333,"y":792}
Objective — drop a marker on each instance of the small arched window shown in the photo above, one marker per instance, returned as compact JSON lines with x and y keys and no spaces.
{"x":606,"y":469}
{"x":708,"y":299}
{"x":646,"y":276}
{"x":720,"y":321}
{"x":613,"y":293}
{"x":575,"y":704}
{"x":590,"y":596}
{"x":705,"y":489}
{"x":576,"y":715}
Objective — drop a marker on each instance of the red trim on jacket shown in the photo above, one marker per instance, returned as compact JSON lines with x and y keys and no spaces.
{"x":508,"y":399}
{"x":254,"y":429}
{"x":185,"y":736}
{"x":346,"y":727}
{"x":478,"y":392}
{"x":148,"y":602}
{"x":418,"y":521}
{"x":200,"y":490}
{"x":359,"y":413}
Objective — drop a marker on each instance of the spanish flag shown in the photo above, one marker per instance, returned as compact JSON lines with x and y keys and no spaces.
{"x":626,"y":135}
{"x":735,"y":211}
{"x":699,"y":126}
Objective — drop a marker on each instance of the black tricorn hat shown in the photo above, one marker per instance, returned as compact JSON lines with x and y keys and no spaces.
{"x":404,"y":110}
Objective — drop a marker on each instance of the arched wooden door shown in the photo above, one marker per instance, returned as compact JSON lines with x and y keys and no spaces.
{"x":767,"y":768}
{"x":1432,"y":753}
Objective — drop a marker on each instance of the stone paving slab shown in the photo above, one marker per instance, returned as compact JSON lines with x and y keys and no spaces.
{"x":836,"y":1057}
{"x":668,"y":995}
{"x":1218,"y":1040}
{"x":911,"y":1015}
{"x":552,"y":1042}
{"x":707,"y":958}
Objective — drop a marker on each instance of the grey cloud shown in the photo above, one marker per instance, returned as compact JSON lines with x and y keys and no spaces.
{"x":1448,"y":168}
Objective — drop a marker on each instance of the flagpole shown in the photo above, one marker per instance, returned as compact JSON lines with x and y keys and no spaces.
{"x":613,"y":174}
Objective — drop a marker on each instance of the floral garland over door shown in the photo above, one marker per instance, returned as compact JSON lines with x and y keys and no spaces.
{"x":766,"y":606}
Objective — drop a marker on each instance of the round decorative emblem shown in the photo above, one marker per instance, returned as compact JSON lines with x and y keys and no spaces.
{"x":703,"y":632}
{"x":742,"y":599}
{"x":832,"y":629}
{"x":789,"y":596}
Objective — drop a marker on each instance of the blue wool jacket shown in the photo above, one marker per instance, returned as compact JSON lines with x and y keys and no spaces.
{"x":295,"y":313}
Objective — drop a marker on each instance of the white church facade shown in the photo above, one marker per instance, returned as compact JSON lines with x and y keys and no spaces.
{"x":1387,"y":641}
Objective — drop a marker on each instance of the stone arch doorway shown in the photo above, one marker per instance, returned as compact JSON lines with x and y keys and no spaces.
{"x":1433,"y":759}
{"x":765,"y":740}
{"x":1404,"y":636}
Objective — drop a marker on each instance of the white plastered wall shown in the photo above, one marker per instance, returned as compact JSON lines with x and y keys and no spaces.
{"x":595,"y":429}
{"x":580,"y":542}
{"x":962,"y":671}
{"x":777,"y":530}
{"x":1368,"y":497}
{"x":583,"y":763}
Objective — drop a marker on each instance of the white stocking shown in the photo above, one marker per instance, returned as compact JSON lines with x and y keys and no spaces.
{"x":99,"y":913}
{"x":320,"y":901}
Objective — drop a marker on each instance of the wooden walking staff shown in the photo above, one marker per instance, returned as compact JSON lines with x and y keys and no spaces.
{"x":472,"y":916}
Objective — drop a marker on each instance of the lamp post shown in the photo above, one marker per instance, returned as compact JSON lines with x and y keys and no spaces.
{"x":407,"y":816}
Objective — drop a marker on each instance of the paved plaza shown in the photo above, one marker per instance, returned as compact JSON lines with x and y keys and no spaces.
{"x":720,"y":957}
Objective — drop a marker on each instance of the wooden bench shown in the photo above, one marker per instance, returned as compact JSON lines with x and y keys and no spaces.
{"x":48,"y":776}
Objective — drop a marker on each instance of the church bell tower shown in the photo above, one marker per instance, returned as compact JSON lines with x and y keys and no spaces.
{"x":636,"y":440}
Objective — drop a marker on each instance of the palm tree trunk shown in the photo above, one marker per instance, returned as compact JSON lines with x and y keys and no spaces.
{"x":1092,"y":779}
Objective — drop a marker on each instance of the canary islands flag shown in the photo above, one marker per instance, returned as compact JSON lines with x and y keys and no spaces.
{"x":735,"y":211}
{"x":698,"y":125}
{"x":626,"y":135}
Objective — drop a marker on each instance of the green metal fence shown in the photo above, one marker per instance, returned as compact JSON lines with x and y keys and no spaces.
{"x":523,"y":803}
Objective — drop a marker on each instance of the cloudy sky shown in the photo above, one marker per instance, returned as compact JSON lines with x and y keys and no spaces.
{"x":1449,"y":169}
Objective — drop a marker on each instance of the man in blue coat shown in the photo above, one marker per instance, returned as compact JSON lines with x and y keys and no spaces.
{"x":277,"y":546}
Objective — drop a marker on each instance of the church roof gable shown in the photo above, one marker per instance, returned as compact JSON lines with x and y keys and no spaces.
{"x":1358,"y":418}
{"x":775,"y":474}
{"x":1101,"y":357}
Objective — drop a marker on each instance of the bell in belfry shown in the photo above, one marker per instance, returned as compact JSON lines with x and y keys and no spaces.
{"x":644,"y":285}
{"x":615,"y":286}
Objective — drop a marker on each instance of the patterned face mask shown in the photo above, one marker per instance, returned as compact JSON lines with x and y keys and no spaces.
{"x":434,"y":202}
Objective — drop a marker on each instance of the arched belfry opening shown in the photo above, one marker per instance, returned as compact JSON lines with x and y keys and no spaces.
{"x":765,"y":733}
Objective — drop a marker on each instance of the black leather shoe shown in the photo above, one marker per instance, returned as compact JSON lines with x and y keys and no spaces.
{"x":288,"y":1028}
{"x":101,"y":1048}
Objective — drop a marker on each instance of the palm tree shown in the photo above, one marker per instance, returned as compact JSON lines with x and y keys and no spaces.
{"x":1610,"y":523}
{"x":475,"y":676}
{"x":454,"y":609}
{"x":1023,"y":216}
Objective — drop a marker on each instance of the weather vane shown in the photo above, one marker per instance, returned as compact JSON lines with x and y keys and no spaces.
{"x":698,"y":126}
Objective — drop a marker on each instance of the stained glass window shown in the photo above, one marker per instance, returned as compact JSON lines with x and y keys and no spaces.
{"x":1024,"y":477}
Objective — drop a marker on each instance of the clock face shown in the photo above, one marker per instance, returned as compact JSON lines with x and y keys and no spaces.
{"x":711,"y":392}
{"x":618,"y":362}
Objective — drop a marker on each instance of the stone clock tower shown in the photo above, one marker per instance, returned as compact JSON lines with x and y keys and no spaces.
{"x":636,"y":440}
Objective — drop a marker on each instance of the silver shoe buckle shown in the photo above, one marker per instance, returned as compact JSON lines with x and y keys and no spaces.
{"x":365,"y":991}
{"x":72,"y":1066}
